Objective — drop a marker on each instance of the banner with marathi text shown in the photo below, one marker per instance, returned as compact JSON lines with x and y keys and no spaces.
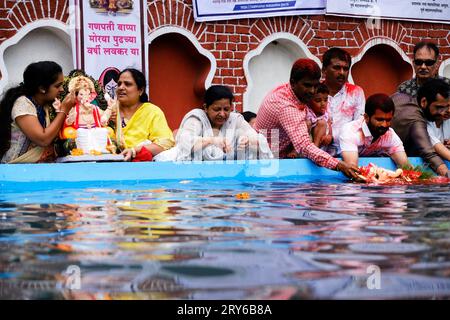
{"x":211,"y":10}
{"x":109,"y":36}
{"x":423,"y":10}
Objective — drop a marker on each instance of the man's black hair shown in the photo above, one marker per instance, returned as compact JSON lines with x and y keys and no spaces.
{"x":338,"y":53}
{"x":431,"y":88}
{"x":379,"y":101}
{"x":427,"y":44}
{"x":322,"y":88}
{"x":248,"y":115}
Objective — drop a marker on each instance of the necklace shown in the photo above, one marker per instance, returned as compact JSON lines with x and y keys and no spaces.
{"x":86,"y":116}
{"x":124,"y":121}
{"x":130,"y":111}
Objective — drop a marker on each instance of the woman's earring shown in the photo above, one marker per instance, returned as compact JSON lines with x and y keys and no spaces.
{"x":43,"y":91}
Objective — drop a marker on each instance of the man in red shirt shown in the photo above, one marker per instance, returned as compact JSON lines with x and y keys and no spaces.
{"x":282,"y":115}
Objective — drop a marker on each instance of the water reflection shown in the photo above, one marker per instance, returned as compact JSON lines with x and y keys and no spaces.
{"x":194,"y":241}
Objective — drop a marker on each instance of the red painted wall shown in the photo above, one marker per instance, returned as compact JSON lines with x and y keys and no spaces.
{"x":381,"y":70}
{"x":177,"y":73}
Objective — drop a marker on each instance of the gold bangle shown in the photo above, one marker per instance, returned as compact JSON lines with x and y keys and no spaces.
{"x":62,"y":111}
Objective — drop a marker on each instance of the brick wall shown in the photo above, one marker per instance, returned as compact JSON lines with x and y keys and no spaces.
{"x":230,"y":41}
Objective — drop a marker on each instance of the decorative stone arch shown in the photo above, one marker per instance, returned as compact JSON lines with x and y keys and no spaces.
{"x":57,"y":28}
{"x":173,"y":12}
{"x":385,"y":29}
{"x":390,"y":46}
{"x":444,"y":69}
{"x":293,"y":25}
{"x":24,"y":12}
{"x":292,"y":44}
{"x":381,"y":40}
{"x":191,"y":93}
{"x":293,"y":32}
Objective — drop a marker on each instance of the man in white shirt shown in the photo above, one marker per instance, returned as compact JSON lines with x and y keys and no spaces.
{"x":371,"y":134}
{"x":345,"y":101}
{"x":439,"y":132}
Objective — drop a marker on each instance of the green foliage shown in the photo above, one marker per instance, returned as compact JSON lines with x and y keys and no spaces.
{"x":426,"y":172}
{"x":63,"y":147}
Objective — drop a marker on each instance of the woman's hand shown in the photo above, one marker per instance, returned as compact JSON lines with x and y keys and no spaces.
{"x":128,"y":154}
{"x":57,"y":105}
{"x":113,"y":116}
{"x":112,"y":105}
{"x":68,"y":103}
{"x":242,"y":143}
{"x":222,"y":143}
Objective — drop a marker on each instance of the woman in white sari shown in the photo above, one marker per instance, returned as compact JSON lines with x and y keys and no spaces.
{"x":216,"y":133}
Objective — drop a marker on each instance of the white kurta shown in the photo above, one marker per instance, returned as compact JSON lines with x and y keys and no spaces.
{"x":195,"y":126}
{"x":438,"y":135}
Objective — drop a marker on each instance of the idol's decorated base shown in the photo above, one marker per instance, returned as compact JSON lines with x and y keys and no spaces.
{"x":91,"y":158}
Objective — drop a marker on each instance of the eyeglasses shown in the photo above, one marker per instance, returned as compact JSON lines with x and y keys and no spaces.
{"x":428,"y":63}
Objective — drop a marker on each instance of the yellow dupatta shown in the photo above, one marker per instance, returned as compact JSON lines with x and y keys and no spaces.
{"x":147,"y":123}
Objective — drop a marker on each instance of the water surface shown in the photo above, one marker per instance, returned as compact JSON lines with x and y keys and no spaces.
{"x":197,"y":240}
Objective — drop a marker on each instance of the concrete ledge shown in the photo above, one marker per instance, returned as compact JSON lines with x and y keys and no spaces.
{"x":167,"y":171}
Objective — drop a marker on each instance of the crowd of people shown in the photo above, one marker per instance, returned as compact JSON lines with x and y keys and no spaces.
{"x":317,"y":115}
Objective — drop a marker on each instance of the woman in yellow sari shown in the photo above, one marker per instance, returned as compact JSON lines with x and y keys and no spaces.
{"x":141,"y":127}
{"x":26,"y":134}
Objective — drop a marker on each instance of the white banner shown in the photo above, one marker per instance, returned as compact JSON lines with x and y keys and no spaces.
{"x":211,"y":10}
{"x":109,"y":35}
{"x":422,"y":10}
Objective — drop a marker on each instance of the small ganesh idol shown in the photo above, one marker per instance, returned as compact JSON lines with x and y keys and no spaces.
{"x":88,"y":119}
